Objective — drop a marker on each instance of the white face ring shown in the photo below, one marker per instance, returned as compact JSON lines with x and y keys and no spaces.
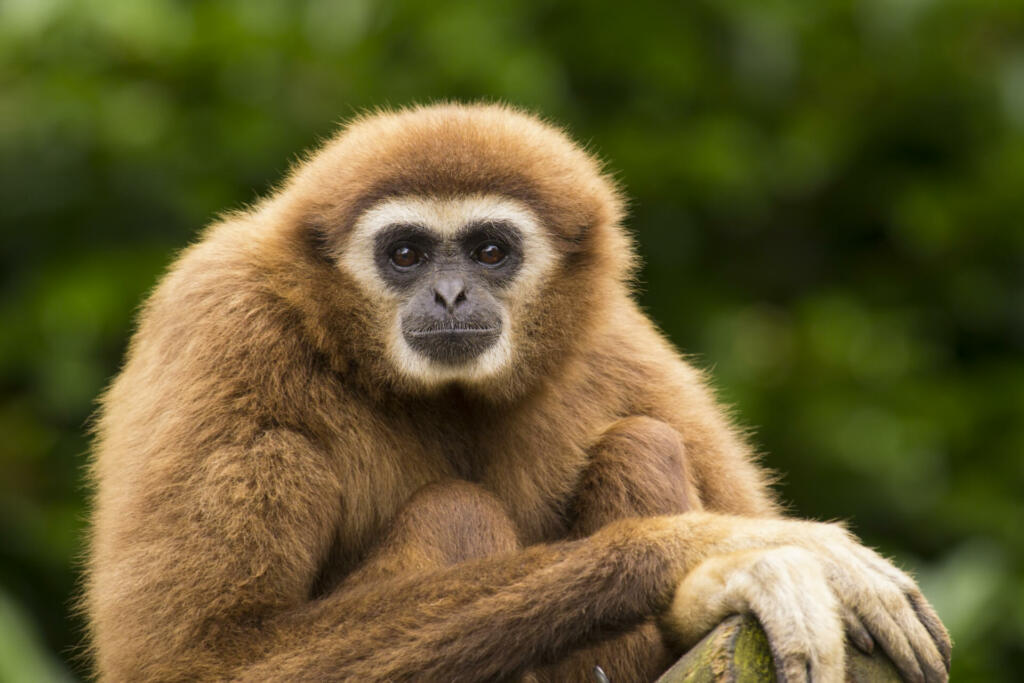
{"x":445,"y":217}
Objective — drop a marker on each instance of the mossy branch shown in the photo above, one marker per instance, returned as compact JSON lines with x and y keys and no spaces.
{"x":737,"y":652}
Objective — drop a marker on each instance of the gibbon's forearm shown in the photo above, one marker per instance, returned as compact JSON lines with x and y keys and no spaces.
{"x":494,"y":617}
{"x":219,"y":592}
{"x":548,"y":600}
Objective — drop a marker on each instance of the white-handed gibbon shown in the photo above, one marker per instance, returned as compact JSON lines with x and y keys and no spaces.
{"x":403,"y":420}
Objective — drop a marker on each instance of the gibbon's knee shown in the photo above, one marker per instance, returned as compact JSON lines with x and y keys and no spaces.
{"x":459,"y":520}
{"x":451,"y":522}
{"x":638,"y":467}
{"x":441,"y":525}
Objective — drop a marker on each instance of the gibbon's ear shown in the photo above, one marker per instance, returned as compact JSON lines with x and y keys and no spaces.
{"x":318,"y":242}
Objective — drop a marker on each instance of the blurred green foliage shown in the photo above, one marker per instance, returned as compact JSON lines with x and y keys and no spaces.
{"x":829,"y":197}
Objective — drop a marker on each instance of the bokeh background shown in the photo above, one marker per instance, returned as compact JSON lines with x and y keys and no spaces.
{"x":829,"y":197}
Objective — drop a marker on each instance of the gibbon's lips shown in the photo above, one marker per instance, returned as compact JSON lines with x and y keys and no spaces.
{"x":452,"y":345}
{"x":443,"y":331}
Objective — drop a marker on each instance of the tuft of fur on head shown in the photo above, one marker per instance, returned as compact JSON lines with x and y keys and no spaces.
{"x":436,"y":162}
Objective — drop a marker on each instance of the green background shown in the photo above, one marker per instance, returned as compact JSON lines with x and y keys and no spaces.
{"x":828,"y":195}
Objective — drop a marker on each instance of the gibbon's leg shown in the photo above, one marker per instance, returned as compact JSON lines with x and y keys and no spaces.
{"x":443,"y":524}
{"x":637,"y":469}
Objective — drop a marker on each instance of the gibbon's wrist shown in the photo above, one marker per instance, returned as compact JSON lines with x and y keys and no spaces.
{"x":670,"y":545}
{"x":686,"y":540}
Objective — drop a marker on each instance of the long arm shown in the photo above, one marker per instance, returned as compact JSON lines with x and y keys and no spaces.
{"x":484,"y":619}
{"x":224,"y":592}
{"x":211,"y":591}
{"x":805,"y":587}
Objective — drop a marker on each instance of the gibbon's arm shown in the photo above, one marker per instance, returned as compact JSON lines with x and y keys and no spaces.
{"x":226,"y":594}
{"x":486,"y":619}
{"x":805,"y":594}
{"x":492,"y":618}
{"x":495,"y":617}
{"x":210,"y":579}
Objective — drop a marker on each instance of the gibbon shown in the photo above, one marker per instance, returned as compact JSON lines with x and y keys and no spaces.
{"x":403,"y":420}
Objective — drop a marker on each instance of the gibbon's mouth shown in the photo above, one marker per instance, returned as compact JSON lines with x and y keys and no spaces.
{"x":452,"y":345}
{"x":452,"y":331}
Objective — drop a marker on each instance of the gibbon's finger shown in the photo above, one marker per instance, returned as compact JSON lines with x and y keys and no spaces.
{"x":891,"y":638}
{"x":927,"y":616}
{"x":793,"y":669}
{"x":880,"y":593}
{"x":925,"y":649}
{"x":856,"y":632}
{"x":876,"y":589}
{"x":918,"y":620}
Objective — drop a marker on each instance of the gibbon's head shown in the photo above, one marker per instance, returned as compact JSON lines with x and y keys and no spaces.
{"x":459,"y":244}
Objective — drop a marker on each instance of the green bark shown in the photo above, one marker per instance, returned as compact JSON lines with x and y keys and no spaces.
{"x":737,"y":651}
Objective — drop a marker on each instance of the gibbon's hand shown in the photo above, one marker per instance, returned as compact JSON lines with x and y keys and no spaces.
{"x":811,"y":584}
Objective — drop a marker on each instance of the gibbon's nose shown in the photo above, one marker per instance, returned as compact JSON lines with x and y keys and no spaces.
{"x":450,"y":292}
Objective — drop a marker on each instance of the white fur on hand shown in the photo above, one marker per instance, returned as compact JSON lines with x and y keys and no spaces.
{"x":786,"y":589}
{"x":808,"y":583}
{"x":885,"y":601}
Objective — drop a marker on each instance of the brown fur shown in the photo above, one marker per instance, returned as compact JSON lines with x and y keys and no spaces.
{"x":260,"y":510}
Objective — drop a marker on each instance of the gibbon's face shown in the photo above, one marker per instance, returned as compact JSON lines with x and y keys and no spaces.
{"x":447,"y":275}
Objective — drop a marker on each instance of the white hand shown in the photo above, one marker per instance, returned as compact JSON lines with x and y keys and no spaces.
{"x":806,"y":583}
{"x":786,"y":589}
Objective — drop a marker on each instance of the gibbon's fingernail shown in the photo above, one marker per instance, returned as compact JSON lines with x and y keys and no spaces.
{"x":864,"y":642}
{"x":600,"y":676}
{"x":857,"y":634}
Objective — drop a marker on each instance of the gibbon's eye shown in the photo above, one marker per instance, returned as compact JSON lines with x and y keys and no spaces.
{"x":489,"y":254}
{"x":405,"y":256}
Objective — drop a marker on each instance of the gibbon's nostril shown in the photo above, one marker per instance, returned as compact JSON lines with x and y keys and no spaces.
{"x":450,"y":292}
